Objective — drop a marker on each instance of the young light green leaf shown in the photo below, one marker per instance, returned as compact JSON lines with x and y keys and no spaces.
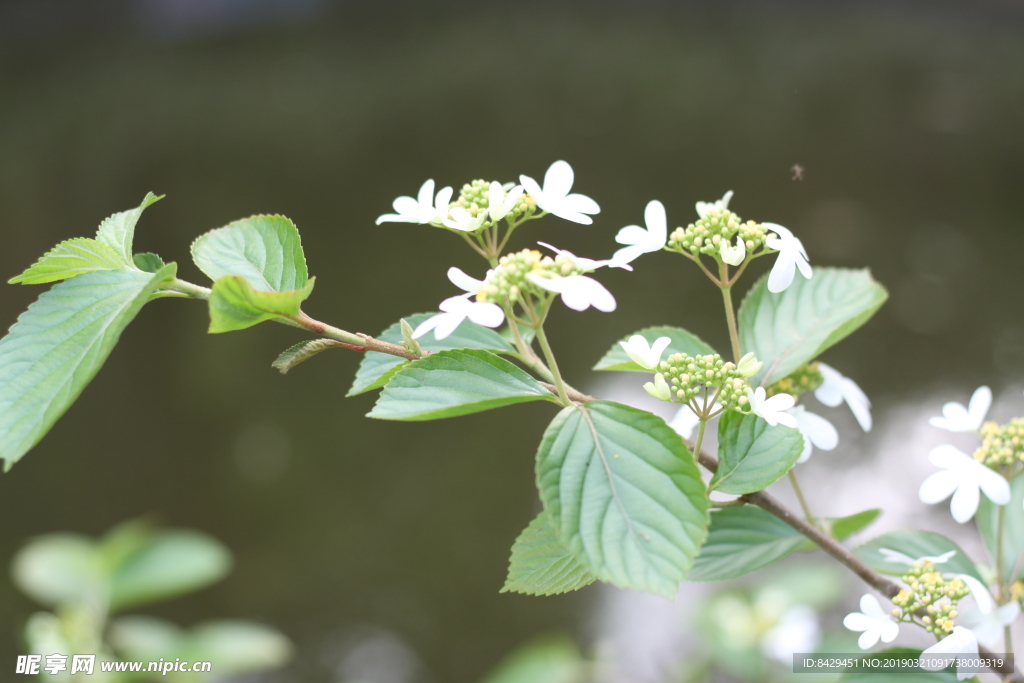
{"x":376,"y":369}
{"x":844,"y":527}
{"x":682,"y":342}
{"x":457,"y":382}
{"x":742,"y":540}
{"x":58,"y":568}
{"x":542,"y":565}
{"x":1013,"y":530}
{"x":118,"y":231}
{"x":788,"y":329}
{"x":915,"y":545}
{"x":59,"y":345}
{"x":71,"y":258}
{"x":300,"y":352}
{"x":265,"y":250}
{"x":148,"y":262}
{"x":752,"y":454}
{"x":550,"y":659}
{"x":235,"y":305}
{"x":624,"y":495}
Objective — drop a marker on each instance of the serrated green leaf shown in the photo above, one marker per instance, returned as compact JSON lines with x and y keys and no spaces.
{"x":550,"y":659}
{"x":542,"y":565}
{"x":300,"y":352}
{"x":915,"y":544}
{"x":457,"y":382}
{"x":265,"y":250}
{"x":742,"y":540}
{"x":753,"y":454}
{"x":788,"y":329}
{"x":844,"y":527}
{"x":624,"y":493}
{"x":235,"y":305}
{"x":118,"y":231}
{"x":68,"y":259}
{"x":59,"y":345}
{"x":1013,"y":530}
{"x":682,"y":342}
{"x":148,"y":262}
{"x":376,"y":369}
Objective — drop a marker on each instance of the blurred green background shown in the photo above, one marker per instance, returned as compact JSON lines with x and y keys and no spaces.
{"x":906,"y":118}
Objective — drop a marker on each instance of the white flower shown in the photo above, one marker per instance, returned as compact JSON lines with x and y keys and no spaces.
{"x":796,"y":631}
{"x":579,"y":292}
{"x":957,"y":418}
{"x":836,"y":388}
{"x":962,"y":476}
{"x":555,"y":197}
{"x":773,"y":409}
{"x":644,"y":354}
{"x":960,"y":643}
{"x":748,"y":365}
{"x":873,"y":621}
{"x":456,"y":309}
{"x":422,"y":209}
{"x":818,"y":432}
{"x":589,"y":264}
{"x":642,"y":241}
{"x":704,"y":208}
{"x":465,"y":282}
{"x":499,"y":203}
{"x":792,"y":255}
{"x":986,"y":603}
{"x":988,"y":626}
{"x":659,"y":389}
{"x":896,"y":556}
{"x":463,"y":220}
{"x":734,"y":255}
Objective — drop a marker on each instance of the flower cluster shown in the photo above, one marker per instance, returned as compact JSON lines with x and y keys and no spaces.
{"x":510,"y":277}
{"x":1001,"y":445}
{"x":690,"y":376}
{"x":720,"y":233}
{"x":806,"y":378}
{"x":928,"y":590}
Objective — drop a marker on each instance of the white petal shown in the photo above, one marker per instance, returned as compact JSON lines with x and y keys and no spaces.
{"x":868,"y":639}
{"x":780,"y":402}
{"x":996,"y":488}
{"x":980,"y":593}
{"x":558,"y":179}
{"x":496,"y":201}
{"x":558,"y":209}
{"x":817,"y":429}
{"x":395,"y":218}
{"x":895,"y":556}
{"x":658,"y":348}
{"x":444,"y":195}
{"x":781,"y":276}
{"x":889,"y":630}
{"x":937,"y":487}
{"x":463,"y":281}
{"x":858,"y":402}
{"x":486,"y":314}
{"x":981,"y":401}
{"x":855,"y":621}
{"x":781,"y":231}
{"x":427,"y":325}
{"x":627,"y":254}
{"x":580,"y":203}
{"x":870,"y":607}
{"x":426,"y":193}
{"x":950,"y":457}
{"x":965,"y":501}
{"x":632,"y":234}
{"x":532,"y":188}
{"x":657,"y":222}
{"x":406,"y":206}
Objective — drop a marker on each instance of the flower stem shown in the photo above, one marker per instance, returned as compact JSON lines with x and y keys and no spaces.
{"x":700,"y":435}
{"x":730,"y":314}
{"x":552,"y":364}
{"x":803,"y":501}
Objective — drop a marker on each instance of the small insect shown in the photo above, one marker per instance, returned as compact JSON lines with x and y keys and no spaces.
{"x":798,"y":172}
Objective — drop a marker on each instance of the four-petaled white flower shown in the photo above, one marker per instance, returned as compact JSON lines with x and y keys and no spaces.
{"x":579,"y":292}
{"x":642,"y":241}
{"x":792,"y":256}
{"x":555,"y":198}
{"x":425,"y":208}
{"x":659,"y":389}
{"x":463,"y":220}
{"x":988,"y":625}
{"x":957,"y":418}
{"x":704,"y":208}
{"x":458,"y":308}
{"x":873,"y":621}
{"x":836,"y":388}
{"x":734,"y":255}
{"x":773,"y":409}
{"x":499,"y":202}
{"x":961,"y":643}
{"x":962,"y":476}
{"x":644,"y":354}
{"x":589,"y":264}
{"x":817,"y":431}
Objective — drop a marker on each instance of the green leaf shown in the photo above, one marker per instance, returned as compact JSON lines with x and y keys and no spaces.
{"x":844,"y":527}
{"x":56,"y":569}
{"x":1013,"y":530}
{"x":68,"y":259}
{"x":788,"y":329}
{"x":118,"y":231}
{"x":235,"y":305}
{"x":148,"y":262}
{"x":753,"y":454}
{"x":550,"y":659}
{"x":624,"y":494}
{"x":743,"y":540}
{"x":682,"y":342}
{"x":907,"y":675}
{"x":265,"y":250}
{"x":542,"y":565}
{"x":59,"y":345}
{"x":458,"y":382}
{"x":376,"y":369}
{"x":300,"y":352}
{"x":915,"y":544}
{"x":172,"y":563}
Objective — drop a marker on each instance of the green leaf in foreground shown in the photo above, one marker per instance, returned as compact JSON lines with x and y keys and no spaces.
{"x":68,"y":259}
{"x":458,"y":382}
{"x":682,"y":342}
{"x":742,"y":540}
{"x":59,"y":345}
{"x":624,"y":495}
{"x":788,"y":329}
{"x":844,"y":527}
{"x":148,"y":262}
{"x":377,"y":368}
{"x":265,"y":250}
{"x":915,"y":545}
{"x":118,"y":231}
{"x":753,"y":454}
{"x":542,"y":565}
{"x":1013,"y":530}
{"x":300,"y":352}
{"x":235,"y":305}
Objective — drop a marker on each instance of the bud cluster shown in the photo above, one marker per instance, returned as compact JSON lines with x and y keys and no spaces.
{"x":805,"y":378}
{"x":718,"y":228}
{"x":473,"y":198}
{"x":928,"y":590}
{"x":688,"y":376}
{"x":1001,"y":444}
{"x":508,"y":279}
